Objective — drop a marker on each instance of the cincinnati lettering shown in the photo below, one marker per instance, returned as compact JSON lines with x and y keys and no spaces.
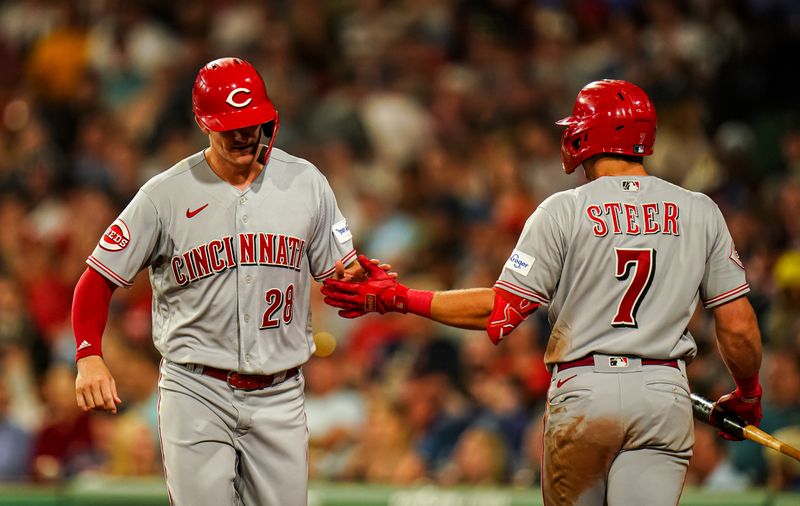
{"x":273,"y":250}
{"x":634,"y":219}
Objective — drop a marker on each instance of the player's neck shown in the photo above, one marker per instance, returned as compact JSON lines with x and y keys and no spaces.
{"x":237,"y":175}
{"x":605,"y":166}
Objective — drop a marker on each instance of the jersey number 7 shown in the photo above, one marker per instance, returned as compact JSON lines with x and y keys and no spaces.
{"x":643,"y":264}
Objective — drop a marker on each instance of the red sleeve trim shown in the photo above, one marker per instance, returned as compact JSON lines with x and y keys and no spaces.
{"x":107,"y":272}
{"x":537,"y":297}
{"x":90,"y":312}
{"x":730,"y":293}
{"x":346,"y":260}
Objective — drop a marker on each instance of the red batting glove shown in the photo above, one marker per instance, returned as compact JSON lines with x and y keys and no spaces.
{"x":379,"y":293}
{"x":745,"y":401}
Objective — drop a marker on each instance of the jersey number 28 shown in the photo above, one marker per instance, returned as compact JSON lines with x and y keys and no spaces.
{"x":643,"y":264}
{"x":276,"y":299}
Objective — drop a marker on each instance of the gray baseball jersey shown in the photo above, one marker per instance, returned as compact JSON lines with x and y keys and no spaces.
{"x":622,"y":263}
{"x":230,"y":268}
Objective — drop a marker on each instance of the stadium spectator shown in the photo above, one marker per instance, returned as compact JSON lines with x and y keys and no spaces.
{"x":14,"y":442}
{"x":710,"y":467}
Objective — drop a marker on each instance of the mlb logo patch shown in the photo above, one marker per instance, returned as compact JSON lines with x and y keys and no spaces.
{"x":520,"y":262}
{"x":630,"y":185}
{"x":638,"y":149}
{"x":619,"y":362}
{"x":341,"y":231}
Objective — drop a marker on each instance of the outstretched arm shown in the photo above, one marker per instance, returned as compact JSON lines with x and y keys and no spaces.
{"x":494,"y":310}
{"x":466,"y":309}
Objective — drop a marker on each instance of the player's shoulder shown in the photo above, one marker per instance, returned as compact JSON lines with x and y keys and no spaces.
{"x":282,"y":158}
{"x":283,"y":164}
{"x":173,"y":175}
{"x":679,"y":193}
{"x":562,"y":200}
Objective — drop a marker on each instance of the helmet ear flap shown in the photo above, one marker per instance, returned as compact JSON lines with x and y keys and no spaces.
{"x":573,"y":145}
{"x":268,"y":128}
{"x":270,"y":131}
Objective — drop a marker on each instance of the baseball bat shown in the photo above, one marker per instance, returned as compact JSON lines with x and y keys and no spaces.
{"x":706,"y":411}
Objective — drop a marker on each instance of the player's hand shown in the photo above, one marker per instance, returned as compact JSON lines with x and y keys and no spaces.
{"x":95,"y":388}
{"x":356,"y":272}
{"x":747,"y":405}
{"x":378,"y":292}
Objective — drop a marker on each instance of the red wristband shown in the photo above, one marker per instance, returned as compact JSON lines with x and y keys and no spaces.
{"x":749,"y":387}
{"x":419,"y":302}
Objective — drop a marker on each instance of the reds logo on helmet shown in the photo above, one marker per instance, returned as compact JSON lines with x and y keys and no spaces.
{"x":117,"y":237}
{"x":233,"y":94}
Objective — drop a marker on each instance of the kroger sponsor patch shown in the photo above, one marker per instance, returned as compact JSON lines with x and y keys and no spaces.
{"x":341,"y":231}
{"x":520,"y":262}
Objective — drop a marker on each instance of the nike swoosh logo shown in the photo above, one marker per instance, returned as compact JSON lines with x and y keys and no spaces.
{"x":192,"y":214}
{"x":560,"y":382}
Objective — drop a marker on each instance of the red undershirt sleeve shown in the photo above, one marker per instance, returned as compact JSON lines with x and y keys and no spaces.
{"x":90,"y":305}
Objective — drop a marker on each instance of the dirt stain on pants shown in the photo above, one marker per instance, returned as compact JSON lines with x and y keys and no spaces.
{"x":577,"y":458}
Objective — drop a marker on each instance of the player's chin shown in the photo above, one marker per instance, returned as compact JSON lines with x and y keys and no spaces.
{"x":242,"y":155}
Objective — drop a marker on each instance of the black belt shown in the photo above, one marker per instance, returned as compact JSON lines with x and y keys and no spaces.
{"x":589,"y":361}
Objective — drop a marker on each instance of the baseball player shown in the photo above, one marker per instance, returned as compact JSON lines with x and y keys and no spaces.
{"x":230,"y":236}
{"x":621,"y":262}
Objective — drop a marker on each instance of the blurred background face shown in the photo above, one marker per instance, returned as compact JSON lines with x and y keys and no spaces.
{"x":4,"y":399}
{"x":782,"y":385}
{"x":480,"y":457}
{"x":58,"y":390}
{"x":10,"y":300}
{"x":323,"y":375}
{"x":706,"y":453}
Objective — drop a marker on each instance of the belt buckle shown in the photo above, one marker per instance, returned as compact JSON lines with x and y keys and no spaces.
{"x":243,"y":382}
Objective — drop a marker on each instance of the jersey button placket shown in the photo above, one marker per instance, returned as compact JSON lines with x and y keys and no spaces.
{"x":245,"y":280}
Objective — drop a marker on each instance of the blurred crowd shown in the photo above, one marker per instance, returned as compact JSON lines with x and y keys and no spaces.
{"x":433,"y":121}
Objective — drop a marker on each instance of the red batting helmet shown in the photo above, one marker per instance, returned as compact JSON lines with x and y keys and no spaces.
{"x":610,"y":116}
{"x":228,"y":94}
